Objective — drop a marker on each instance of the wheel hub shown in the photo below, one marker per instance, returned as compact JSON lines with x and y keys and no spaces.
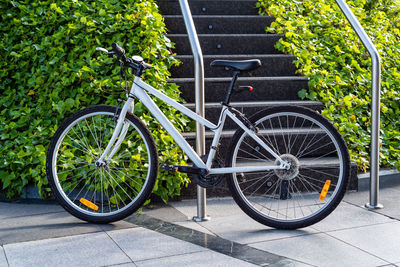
{"x":102,"y":164}
{"x":292,"y":172}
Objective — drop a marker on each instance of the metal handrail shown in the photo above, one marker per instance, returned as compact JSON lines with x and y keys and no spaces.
{"x":375,"y":103}
{"x":199,"y":93}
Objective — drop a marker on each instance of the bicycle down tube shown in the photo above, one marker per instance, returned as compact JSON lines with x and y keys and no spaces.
{"x":139,"y":89}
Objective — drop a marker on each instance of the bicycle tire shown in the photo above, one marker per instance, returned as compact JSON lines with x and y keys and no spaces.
{"x":111,"y":192}
{"x":290,"y":199}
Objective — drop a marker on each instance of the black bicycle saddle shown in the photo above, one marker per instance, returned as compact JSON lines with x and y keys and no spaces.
{"x":242,"y":65}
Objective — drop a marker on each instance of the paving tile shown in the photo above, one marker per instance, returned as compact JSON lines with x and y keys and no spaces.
{"x":129,"y":264}
{"x":12,"y":209}
{"x":381,"y":240}
{"x":3,"y":260}
{"x":203,"y":258}
{"x":165,"y":213}
{"x":349,"y":216}
{"x":216,"y":207}
{"x":214,"y":243}
{"x":243,"y":229}
{"x":116,"y":226}
{"x":141,"y":244}
{"x":389,"y":197}
{"x":320,"y":250}
{"x":96,"y":249}
{"x":43,"y":226}
{"x":195,"y":226}
{"x":357,"y":198}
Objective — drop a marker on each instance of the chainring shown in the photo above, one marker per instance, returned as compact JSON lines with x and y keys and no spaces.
{"x":209,"y":181}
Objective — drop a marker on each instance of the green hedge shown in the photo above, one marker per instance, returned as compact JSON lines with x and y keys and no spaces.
{"x":331,"y":55}
{"x":49,"y":69}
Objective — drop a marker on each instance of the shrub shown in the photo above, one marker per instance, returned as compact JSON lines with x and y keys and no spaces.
{"x":330,"y":54}
{"x":50,"y":69}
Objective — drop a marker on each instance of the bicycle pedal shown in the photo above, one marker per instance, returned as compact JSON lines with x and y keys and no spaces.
{"x":169,"y":168}
{"x":185,"y":169}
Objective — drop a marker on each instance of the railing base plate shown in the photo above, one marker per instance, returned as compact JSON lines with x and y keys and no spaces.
{"x":201,"y":219}
{"x":374,"y":207}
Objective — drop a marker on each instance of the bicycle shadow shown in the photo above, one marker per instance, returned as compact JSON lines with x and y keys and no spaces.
{"x":50,"y":225}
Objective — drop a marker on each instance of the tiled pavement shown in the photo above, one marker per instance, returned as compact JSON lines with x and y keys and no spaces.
{"x":43,"y":234}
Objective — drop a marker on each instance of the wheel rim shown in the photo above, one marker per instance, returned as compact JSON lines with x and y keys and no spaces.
{"x":100,"y":191}
{"x":296,"y":196}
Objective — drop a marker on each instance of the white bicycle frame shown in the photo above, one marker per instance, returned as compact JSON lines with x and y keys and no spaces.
{"x":139,"y":89}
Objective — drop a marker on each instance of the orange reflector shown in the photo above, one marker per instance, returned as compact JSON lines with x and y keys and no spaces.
{"x":89,"y":204}
{"x":325,"y":190}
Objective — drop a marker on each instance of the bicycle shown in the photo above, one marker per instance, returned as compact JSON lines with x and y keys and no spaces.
{"x":287,"y":167}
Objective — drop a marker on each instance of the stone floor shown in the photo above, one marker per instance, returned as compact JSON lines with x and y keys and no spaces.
{"x":43,"y":234}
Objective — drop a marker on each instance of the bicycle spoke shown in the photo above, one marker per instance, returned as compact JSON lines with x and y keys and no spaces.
{"x":283,"y":136}
{"x":110,"y":188}
{"x":289,"y":197}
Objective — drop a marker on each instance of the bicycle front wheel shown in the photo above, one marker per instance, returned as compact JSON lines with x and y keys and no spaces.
{"x":316,"y":181}
{"x":107,"y":193}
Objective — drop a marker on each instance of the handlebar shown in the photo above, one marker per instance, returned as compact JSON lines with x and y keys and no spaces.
{"x":117,"y":51}
{"x":136,"y":62}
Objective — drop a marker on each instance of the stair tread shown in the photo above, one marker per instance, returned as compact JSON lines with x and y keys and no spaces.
{"x":305,"y":162}
{"x":209,"y":1}
{"x":257,"y":103}
{"x":231,"y":132}
{"x":239,"y":56}
{"x":220,"y":16}
{"x":228,"y":35}
{"x":255,"y":1}
{"x":227,"y":79}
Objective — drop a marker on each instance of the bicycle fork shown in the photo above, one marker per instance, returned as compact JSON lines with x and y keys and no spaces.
{"x":119,"y":133}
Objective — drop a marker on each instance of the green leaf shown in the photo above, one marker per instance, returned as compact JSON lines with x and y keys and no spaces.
{"x":7,"y":178}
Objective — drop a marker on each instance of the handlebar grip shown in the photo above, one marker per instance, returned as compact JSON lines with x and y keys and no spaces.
{"x":102,"y":49}
{"x":119,"y":51}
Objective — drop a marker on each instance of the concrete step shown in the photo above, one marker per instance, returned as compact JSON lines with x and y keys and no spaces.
{"x":216,"y":24}
{"x":203,"y":7}
{"x":226,"y":44}
{"x":249,"y":108}
{"x":272,"y":65}
{"x":313,"y":141}
{"x":317,"y":170}
{"x":190,"y":192}
{"x":265,"y":88}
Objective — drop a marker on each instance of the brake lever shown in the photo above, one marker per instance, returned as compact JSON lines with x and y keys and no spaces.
{"x":102,"y":50}
{"x":109,"y":53}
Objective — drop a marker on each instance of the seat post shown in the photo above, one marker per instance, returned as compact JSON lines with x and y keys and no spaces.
{"x":228,"y":97}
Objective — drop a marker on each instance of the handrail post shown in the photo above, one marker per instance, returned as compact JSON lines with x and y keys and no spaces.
{"x":375,"y":103}
{"x":199,"y":93}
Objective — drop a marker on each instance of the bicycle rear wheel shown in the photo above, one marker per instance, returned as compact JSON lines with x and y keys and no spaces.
{"x":314,"y":185}
{"x":106,"y":193}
